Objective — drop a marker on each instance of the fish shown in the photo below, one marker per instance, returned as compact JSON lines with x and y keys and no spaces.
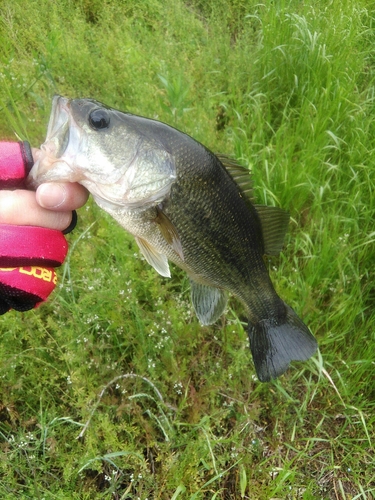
{"x":183,"y":204}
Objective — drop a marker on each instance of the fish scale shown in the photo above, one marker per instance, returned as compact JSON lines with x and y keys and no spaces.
{"x":184,"y":204}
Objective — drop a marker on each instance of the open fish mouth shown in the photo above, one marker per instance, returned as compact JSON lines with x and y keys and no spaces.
{"x":57,"y":139}
{"x":65,"y":139}
{"x":57,"y":153}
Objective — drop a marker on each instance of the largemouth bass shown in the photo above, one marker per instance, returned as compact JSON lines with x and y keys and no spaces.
{"x":183,"y":204}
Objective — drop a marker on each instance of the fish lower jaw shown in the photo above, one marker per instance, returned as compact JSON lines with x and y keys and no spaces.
{"x":51,"y":169}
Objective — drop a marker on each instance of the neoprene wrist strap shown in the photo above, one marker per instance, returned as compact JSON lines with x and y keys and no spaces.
{"x":16,"y":161}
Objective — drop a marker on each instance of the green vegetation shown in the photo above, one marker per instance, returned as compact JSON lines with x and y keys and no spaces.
{"x":173,"y":410}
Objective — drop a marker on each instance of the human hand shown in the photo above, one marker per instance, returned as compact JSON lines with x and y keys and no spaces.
{"x":50,"y":206}
{"x":30,"y":230}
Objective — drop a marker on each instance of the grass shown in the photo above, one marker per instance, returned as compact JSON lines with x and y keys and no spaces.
{"x":112,"y":389}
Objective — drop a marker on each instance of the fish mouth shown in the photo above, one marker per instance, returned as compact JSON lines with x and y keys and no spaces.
{"x":55,"y":157}
{"x":57,"y":138}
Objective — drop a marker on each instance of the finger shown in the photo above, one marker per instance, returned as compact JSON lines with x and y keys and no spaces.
{"x":20,"y":207}
{"x":61,"y":196}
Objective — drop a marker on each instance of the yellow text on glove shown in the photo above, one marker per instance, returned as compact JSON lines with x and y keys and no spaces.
{"x":41,"y":273}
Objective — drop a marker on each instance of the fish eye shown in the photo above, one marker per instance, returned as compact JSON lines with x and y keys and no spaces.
{"x":99,"y":119}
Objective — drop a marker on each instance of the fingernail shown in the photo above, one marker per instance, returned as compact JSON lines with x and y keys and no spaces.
{"x":51,"y":195}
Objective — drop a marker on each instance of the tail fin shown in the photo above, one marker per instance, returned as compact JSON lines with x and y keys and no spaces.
{"x":275,"y":344}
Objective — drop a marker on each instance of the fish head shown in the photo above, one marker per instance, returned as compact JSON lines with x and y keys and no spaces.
{"x":120,"y":162}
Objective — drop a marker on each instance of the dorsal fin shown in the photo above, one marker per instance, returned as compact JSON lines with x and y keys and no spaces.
{"x":274,"y":222}
{"x":240,"y":174}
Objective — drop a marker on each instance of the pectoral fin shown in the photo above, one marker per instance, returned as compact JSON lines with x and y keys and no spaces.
{"x":156,"y":259}
{"x":209,"y":302}
{"x":169,"y":232}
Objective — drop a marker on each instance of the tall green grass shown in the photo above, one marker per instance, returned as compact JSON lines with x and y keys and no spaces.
{"x":112,"y":389}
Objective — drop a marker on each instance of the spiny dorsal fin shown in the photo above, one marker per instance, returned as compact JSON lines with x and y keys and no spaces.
{"x":274,"y":222}
{"x":240,"y":175}
{"x":169,"y":232}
